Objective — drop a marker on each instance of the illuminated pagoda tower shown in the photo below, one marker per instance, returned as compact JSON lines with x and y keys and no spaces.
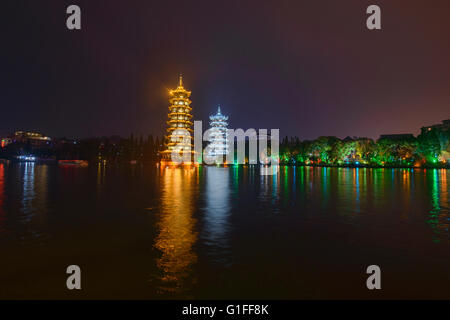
{"x":179,"y":131}
{"x":218,"y":146}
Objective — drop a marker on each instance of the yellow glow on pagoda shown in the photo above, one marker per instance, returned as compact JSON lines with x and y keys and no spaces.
{"x":178,"y":133}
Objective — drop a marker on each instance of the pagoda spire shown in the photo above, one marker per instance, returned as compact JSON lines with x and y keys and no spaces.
{"x":181,"y":80}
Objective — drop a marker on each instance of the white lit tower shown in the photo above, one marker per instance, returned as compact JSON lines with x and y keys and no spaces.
{"x":218,"y":146}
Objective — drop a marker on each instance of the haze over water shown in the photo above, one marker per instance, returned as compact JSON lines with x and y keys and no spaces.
{"x":211,"y":232}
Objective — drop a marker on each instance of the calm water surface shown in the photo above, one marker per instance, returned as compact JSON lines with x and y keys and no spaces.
{"x":209,"y":232}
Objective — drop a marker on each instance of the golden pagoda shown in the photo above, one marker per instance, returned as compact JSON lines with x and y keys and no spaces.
{"x":178,"y":140}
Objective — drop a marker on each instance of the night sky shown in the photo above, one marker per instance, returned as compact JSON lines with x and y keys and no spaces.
{"x":309,"y":68}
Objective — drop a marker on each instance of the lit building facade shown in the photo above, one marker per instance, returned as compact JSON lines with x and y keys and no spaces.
{"x":179,"y":131}
{"x":32,"y":138}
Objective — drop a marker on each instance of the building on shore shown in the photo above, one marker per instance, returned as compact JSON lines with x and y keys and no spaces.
{"x":445,"y":125}
{"x":5,"y":141}
{"x":218,"y":137}
{"x":440,"y":133}
{"x":25,"y":137}
{"x":397,"y":136}
{"x":33,"y":138}
{"x":178,"y":139}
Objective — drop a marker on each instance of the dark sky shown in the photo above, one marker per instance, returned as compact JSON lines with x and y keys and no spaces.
{"x":309,"y":68}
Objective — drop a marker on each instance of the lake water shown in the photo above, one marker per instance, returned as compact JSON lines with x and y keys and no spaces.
{"x":140,"y":232}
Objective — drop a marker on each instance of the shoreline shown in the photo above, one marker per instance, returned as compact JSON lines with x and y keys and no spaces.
{"x":56,"y":162}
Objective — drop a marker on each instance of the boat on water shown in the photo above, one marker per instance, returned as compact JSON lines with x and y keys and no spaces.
{"x":25,"y":158}
{"x":73,"y":163}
